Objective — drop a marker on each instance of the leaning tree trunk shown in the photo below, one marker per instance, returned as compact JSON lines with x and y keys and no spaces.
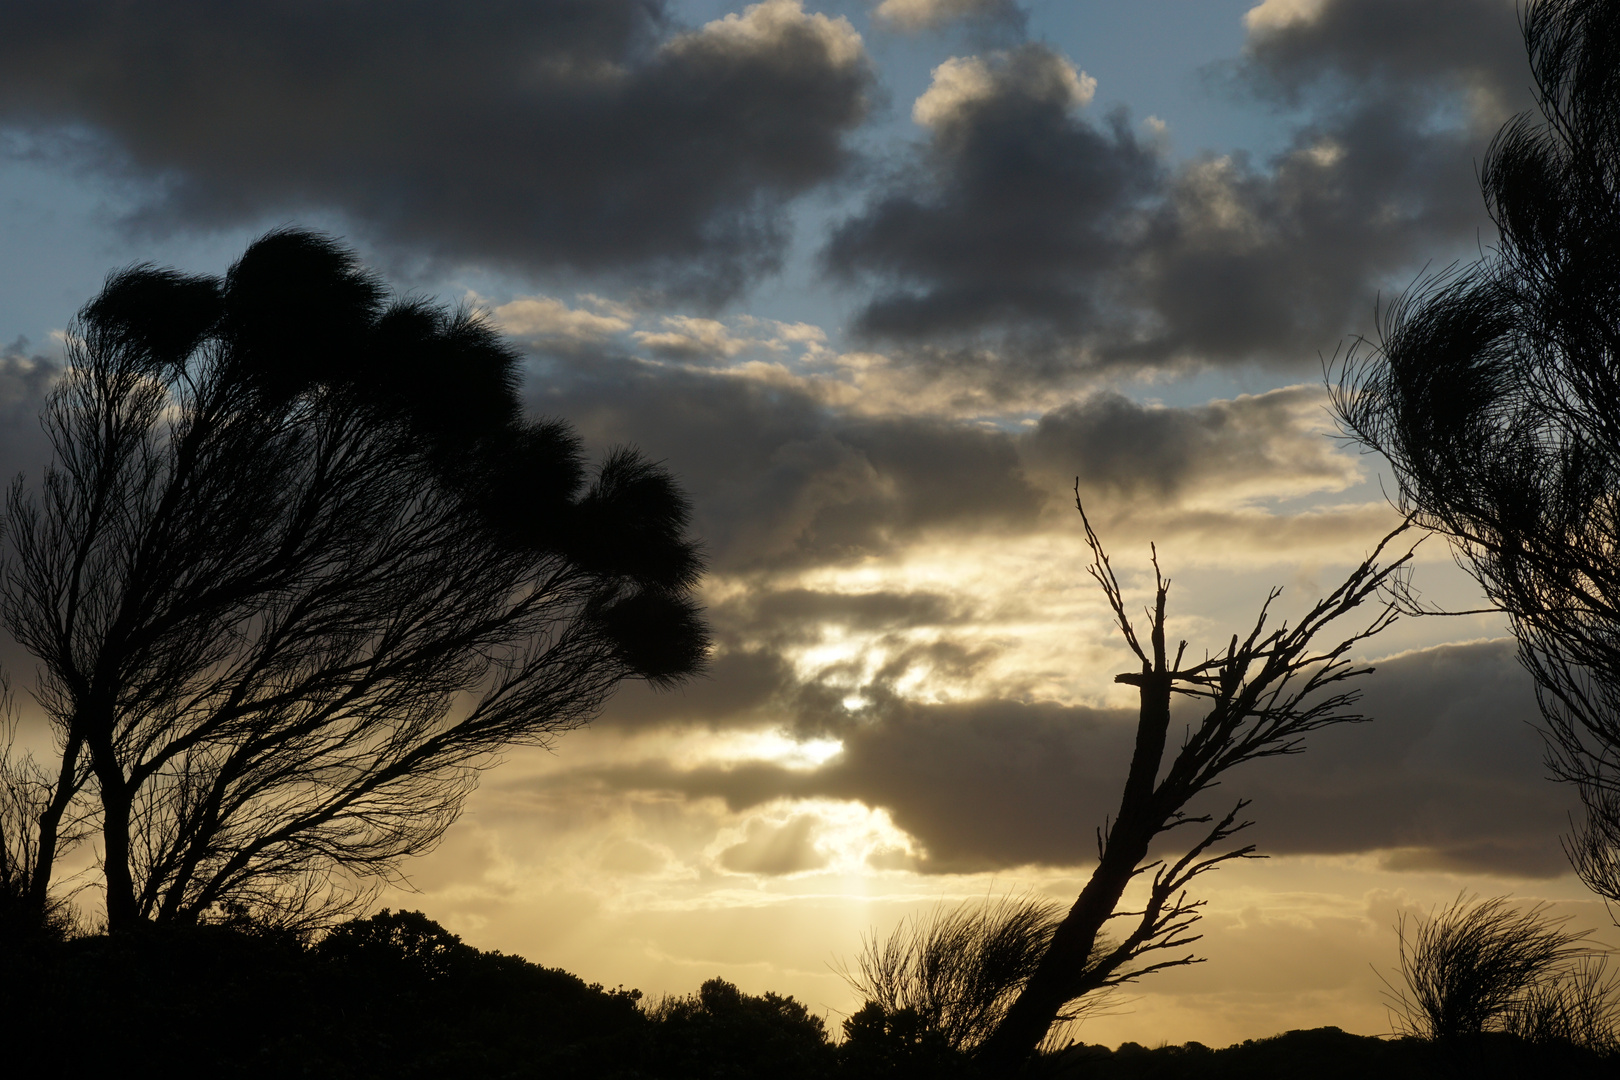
{"x":1058,"y":978}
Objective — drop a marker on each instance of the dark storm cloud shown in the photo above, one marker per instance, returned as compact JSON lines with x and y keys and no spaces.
{"x":1023,"y":213}
{"x":25,"y":380}
{"x":1450,"y":773}
{"x":1447,"y":777}
{"x":793,"y":610}
{"x":589,"y":134}
{"x":741,"y":687}
{"x":1060,"y":242}
{"x":1474,"y":44}
{"x":1117,"y":445}
{"x":779,"y":479}
{"x":1400,"y":101}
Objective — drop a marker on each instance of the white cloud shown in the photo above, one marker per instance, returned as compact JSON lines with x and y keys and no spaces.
{"x":549,"y":320}
{"x":963,"y":81}
{"x":762,"y":26}
{"x":687,"y":337}
{"x":1276,"y":14}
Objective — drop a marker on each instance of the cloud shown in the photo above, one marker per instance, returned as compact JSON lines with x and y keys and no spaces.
{"x":1447,"y":777}
{"x":590,"y":135}
{"x":1373,"y":46}
{"x":932,"y":14}
{"x":742,"y":687}
{"x":686,"y":337}
{"x":1022,"y":239}
{"x":775,"y":849}
{"x":549,"y":323}
{"x":1020,"y":213}
{"x":1266,"y":445}
{"x":779,"y":479}
{"x":25,"y":381}
{"x":1272,"y":15}
{"x":1279,"y":260}
{"x":782,"y":478}
{"x":963,"y":85}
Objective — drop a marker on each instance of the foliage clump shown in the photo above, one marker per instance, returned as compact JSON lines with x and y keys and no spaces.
{"x":721,"y":1033}
{"x":948,"y":978}
{"x":1484,"y":965}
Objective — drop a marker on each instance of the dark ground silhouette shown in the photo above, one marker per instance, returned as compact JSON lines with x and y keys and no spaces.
{"x":397,"y":995}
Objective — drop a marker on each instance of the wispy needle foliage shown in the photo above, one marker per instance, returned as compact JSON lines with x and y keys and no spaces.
{"x":1485,"y":965}
{"x":958,"y":969}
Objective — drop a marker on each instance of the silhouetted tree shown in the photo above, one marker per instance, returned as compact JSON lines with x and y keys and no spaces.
{"x":1495,"y":394}
{"x":300,"y":568}
{"x":1261,"y":695}
{"x":721,"y":1033}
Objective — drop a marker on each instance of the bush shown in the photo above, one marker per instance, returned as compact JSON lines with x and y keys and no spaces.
{"x":1482,"y":965}
{"x":721,"y":1033}
{"x":949,"y":978}
{"x":897,"y":1046}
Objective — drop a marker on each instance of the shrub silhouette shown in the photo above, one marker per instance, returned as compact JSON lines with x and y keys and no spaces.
{"x":897,"y":1045}
{"x":1579,"y":1004}
{"x":1482,"y":965}
{"x":721,"y":1033}
{"x":945,"y":980}
{"x":405,"y":942}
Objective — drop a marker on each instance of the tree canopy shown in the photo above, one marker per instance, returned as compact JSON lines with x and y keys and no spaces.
{"x":1495,"y":394}
{"x":299,"y":569}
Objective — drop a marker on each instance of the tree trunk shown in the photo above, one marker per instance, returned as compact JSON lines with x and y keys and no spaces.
{"x":50,"y":827}
{"x":123,"y":913}
{"x":1056,"y":979}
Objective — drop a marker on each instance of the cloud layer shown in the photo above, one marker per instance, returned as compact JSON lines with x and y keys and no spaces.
{"x":1448,"y":777}
{"x":584,"y":134}
{"x":1026,"y":230}
{"x":784,"y":477}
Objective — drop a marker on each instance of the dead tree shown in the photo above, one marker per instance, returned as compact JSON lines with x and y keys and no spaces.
{"x":1263,"y":693}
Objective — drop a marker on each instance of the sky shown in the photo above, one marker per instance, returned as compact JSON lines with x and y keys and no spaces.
{"x":881,"y":283}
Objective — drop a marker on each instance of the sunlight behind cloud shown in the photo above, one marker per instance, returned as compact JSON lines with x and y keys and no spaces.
{"x":776,"y":747}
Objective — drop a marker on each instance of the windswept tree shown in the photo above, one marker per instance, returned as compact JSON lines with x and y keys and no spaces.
{"x":299,"y":570}
{"x":1259,"y":696}
{"x":1495,"y":394}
